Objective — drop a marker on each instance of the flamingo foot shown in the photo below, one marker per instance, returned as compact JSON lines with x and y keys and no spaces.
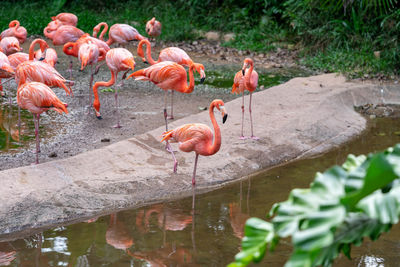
{"x":117,"y":125}
{"x":170,"y":117}
{"x":175,"y":166}
{"x":254,"y":137}
{"x":243,"y":137}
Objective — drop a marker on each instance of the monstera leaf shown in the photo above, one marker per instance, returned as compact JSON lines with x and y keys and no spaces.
{"x":343,"y":205}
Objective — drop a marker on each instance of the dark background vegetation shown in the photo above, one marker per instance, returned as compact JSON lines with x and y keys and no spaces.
{"x":332,"y":35}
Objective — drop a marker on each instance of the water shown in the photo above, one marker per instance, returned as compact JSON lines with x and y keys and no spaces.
{"x":164,"y":234}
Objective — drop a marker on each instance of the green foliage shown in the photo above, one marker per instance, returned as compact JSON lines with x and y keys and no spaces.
{"x":343,"y":205}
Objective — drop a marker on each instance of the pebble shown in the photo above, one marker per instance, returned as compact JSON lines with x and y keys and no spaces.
{"x":105,"y":140}
{"x":53,"y":155}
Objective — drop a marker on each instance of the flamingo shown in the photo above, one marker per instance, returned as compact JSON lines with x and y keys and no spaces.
{"x":38,"y":98}
{"x":117,"y":59}
{"x":15,"y":30}
{"x":119,"y":33}
{"x":197,"y":137}
{"x":6,"y":71}
{"x":9,"y":45}
{"x":246,"y":79}
{"x":64,"y":34}
{"x":72,"y":48}
{"x":90,"y":53}
{"x":167,"y":75}
{"x":174,"y":54}
{"x":153,"y":28}
{"x":66,"y":19}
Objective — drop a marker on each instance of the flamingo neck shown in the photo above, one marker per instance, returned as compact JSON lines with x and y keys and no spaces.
{"x":32,"y":47}
{"x":247,"y":76}
{"x":217,"y":133}
{"x":189,"y":89}
{"x":49,"y":33}
{"x":96,"y":102}
{"x":104,"y":31}
{"x":148,"y":53}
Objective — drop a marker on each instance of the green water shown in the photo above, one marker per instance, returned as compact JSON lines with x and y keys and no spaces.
{"x":13,"y":136}
{"x":165,"y":235}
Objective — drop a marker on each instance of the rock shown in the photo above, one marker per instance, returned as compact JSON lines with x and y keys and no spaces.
{"x":377,"y":54}
{"x":195,"y":43}
{"x":212,"y":36}
{"x":53,"y":155}
{"x":105,"y":140}
{"x":229,"y":37}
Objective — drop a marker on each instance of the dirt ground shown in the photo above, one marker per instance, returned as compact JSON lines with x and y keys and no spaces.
{"x":141,"y":103}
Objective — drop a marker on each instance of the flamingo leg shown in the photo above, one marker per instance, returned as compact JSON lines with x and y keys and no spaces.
{"x":36,"y":122}
{"x":70,"y":68}
{"x":19,"y":119}
{"x":241,"y":133}
{"x":118,"y":125}
{"x":90,"y":87}
{"x":165,"y":110}
{"x":170,"y":150}
{"x":171,"y":117}
{"x":194,"y":170}
{"x":251,"y":121}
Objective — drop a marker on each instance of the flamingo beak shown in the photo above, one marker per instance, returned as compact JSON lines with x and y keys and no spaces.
{"x":145,"y":62}
{"x":203,"y":76}
{"x":243,"y":72}
{"x":224,"y":114}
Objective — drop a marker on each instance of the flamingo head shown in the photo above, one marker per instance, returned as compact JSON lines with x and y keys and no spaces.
{"x":219,"y":104}
{"x":13,"y":23}
{"x":247,"y":62}
{"x":129,"y":63}
{"x":96,"y":105}
{"x":200,"y":69}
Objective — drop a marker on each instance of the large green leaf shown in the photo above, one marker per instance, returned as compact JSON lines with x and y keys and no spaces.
{"x":258,"y":233}
{"x":343,"y":205}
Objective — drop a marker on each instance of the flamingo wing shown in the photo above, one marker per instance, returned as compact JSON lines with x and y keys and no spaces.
{"x":38,"y":97}
{"x":238,"y":83}
{"x":191,"y":137}
{"x":174,"y":54}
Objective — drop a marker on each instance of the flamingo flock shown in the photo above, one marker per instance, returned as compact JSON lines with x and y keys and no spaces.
{"x":35,"y":74}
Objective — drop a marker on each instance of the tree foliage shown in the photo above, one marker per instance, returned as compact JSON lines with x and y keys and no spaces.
{"x":343,"y":205}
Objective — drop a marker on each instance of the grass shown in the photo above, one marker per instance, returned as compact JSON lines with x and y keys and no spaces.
{"x":182,"y":20}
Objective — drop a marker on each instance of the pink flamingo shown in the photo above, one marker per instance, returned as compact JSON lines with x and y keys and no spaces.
{"x":38,"y":98}
{"x":119,"y":33}
{"x":153,"y":28}
{"x":64,"y":34}
{"x":50,"y":56}
{"x":9,"y":45}
{"x":90,"y":54}
{"x":246,"y":79}
{"x":6,"y":71}
{"x":117,"y":59}
{"x":66,"y":19}
{"x":198,"y":137}
{"x":15,"y":30}
{"x":168,"y":76}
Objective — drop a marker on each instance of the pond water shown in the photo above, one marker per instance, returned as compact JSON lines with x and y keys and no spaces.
{"x":172,"y":234}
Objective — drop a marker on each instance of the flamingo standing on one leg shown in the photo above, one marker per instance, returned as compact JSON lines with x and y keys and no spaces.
{"x":38,"y":98}
{"x":246,"y":79}
{"x":167,"y":75}
{"x":117,"y":59}
{"x":90,"y":53}
{"x":153,"y":28}
{"x":119,"y":33}
{"x":15,"y":30}
{"x":198,"y":137}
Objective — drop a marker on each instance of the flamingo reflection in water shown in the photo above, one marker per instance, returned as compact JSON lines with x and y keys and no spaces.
{"x":237,"y":217}
{"x":118,"y":235}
